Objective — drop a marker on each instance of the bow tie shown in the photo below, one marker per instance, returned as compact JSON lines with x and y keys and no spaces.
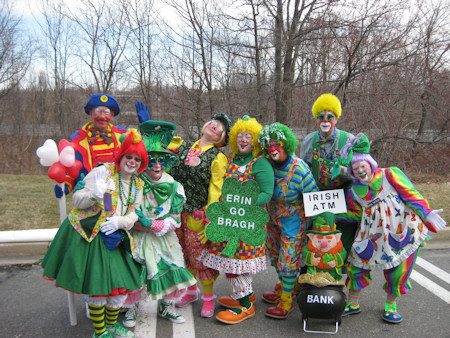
{"x":162,"y":191}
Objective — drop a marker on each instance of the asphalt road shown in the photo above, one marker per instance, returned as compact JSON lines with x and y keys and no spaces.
{"x":33,"y":307}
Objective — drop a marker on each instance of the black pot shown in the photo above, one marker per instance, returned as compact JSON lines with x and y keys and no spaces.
{"x":327,"y":302}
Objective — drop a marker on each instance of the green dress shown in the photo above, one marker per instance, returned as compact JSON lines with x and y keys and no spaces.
{"x":158,"y":250}
{"x":78,"y":259}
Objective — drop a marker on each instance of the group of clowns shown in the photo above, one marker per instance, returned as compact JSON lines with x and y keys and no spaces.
{"x":139,"y":223}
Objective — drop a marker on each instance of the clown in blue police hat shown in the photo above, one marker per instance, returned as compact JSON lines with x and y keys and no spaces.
{"x":105,"y":100}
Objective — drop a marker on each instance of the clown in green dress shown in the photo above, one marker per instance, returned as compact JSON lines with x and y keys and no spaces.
{"x":91,"y":252}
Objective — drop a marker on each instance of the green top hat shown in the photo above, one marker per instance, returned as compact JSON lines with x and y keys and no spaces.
{"x":157,"y":135}
{"x":323,"y":224}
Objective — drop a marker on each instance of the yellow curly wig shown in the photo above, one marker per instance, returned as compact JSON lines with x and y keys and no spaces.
{"x":247,"y":125}
{"x":327,"y":102}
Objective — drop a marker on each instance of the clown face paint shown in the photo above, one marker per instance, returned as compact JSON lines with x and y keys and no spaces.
{"x":362,"y":172}
{"x":214,"y":131}
{"x":155,"y":167}
{"x":276,"y":151}
{"x":101,"y":117}
{"x":326,"y":121}
{"x":244,"y":142}
{"x":130,"y":163}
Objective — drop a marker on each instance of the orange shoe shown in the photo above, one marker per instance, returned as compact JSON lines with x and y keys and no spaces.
{"x":231,"y":317}
{"x":231,"y":303}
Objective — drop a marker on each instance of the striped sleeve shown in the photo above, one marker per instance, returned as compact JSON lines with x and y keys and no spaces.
{"x":407,"y":192}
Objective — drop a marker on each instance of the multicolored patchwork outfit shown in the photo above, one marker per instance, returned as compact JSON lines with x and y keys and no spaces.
{"x":287,"y":227}
{"x":248,"y":260}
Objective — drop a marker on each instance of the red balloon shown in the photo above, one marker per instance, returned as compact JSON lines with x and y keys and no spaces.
{"x":64,"y":143}
{"x":74,"y":170}
{"x":56,"y":172}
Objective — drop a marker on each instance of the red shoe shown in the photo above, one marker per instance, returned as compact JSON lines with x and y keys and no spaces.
{"x":231,"y":303}
{"x":231,"y":317}
{"x":271,"y":297}
{"x":278,"y":312}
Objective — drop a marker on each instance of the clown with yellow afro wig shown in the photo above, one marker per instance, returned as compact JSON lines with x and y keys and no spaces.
{"x":246,"y":163}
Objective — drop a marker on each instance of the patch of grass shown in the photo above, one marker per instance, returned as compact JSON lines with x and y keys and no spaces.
{"x":29,"y":202}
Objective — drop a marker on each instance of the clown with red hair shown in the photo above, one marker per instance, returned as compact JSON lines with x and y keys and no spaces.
{"x":91,"y":252}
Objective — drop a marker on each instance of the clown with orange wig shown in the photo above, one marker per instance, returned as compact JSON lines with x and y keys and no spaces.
{"x":91,"y":252}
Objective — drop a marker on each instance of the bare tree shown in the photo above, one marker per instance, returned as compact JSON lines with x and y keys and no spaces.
{"x":103,"y":38}
{"x":15,"y":50}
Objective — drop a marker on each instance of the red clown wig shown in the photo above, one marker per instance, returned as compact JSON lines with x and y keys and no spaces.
{"x":132,"y":144}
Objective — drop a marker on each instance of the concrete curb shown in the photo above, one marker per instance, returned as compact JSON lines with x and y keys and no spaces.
{"x":30,"y":253}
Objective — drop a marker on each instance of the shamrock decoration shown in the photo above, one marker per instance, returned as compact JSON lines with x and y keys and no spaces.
{"x":237,"y":218}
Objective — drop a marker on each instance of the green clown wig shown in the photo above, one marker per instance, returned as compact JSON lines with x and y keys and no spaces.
{"x":279,"y":132}
{"x":246,"y":125}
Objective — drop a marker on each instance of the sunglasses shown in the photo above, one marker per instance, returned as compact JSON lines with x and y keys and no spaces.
{"x":152,"y":161}
{"x":106,"y":111}
{"x":328,"y":116}
{"x":136,"y":159}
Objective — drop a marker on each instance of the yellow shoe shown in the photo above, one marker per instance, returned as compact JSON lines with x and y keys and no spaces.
{"x":231,"y":317}
{"x":231,"y":303}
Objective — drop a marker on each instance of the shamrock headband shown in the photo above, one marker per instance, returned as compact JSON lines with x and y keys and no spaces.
{"x":360,"y":144}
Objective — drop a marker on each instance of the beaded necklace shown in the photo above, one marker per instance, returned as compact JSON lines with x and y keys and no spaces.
{"x":122,"y":196}
{"x":321,"y":144}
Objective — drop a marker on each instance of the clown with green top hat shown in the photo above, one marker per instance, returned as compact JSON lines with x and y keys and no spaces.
{"x":157,"y":246}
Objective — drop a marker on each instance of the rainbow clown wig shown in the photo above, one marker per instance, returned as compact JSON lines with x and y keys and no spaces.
{"x":246,"y":125}
{"x":281,"y":133}
{"x":131,"y":143}
{"x":327,"y":102}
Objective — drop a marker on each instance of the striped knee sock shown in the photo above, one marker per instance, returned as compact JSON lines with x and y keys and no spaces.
{"x":353,"y":297}
{"x":97,"y":314}
{"x":391,"y":303}
{"x":111,"y":316}
{"x":288,"y":283}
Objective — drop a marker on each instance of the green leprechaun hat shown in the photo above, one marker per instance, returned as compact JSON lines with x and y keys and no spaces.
{"x":324,"y":224}
{"x":156,"y":136}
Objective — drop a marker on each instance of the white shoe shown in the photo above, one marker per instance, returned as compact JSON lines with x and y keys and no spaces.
{"x":129,"y":320}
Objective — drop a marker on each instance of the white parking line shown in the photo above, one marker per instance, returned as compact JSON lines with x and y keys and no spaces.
{"x":147,"y":320}
{"x":431,"y":286}
{"x":187,"y":329}
{"x":438,"y":272}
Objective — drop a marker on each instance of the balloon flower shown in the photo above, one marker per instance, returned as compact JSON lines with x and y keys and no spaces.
{"x":60,"y":159}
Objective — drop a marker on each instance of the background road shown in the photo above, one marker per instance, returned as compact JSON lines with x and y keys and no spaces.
{"x":33,"y":307}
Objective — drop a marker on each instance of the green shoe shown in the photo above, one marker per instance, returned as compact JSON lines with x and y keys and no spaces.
{"x":118,"y":331}
{"x":166,"y":310}
{"x":105,"y":334}
{"x":351,"y":310}
{"x":129,"y":320}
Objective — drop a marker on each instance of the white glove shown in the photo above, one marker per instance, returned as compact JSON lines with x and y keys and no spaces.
{"x":438,"y":221}
{"x":111,"y":225}
{"x":102,"y":183}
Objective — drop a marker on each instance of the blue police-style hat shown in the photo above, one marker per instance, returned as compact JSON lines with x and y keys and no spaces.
{"x":102,"y":100}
